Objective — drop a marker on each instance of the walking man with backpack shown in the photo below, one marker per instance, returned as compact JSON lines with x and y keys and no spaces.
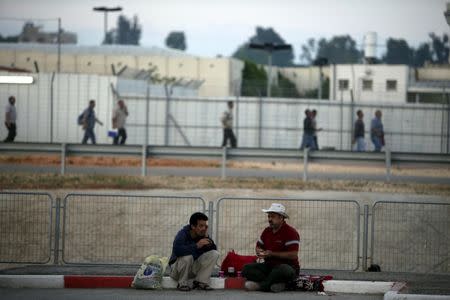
{"x":87,"y":120}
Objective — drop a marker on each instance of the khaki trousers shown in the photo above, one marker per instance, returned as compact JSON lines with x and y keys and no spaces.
{"x":185,"y":269}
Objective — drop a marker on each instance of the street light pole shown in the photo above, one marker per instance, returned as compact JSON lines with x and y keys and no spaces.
{"x":105,"y":10}
{"x":270,"y":48}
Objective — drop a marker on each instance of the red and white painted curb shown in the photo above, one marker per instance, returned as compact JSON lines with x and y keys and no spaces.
{"x":389,"y":289}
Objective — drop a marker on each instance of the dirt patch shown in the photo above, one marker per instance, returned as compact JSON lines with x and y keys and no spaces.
{"x":397,"y":170}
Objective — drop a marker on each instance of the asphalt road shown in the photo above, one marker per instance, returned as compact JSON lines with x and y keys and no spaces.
{"x":132,"y":294}
{"x":216,"y":172}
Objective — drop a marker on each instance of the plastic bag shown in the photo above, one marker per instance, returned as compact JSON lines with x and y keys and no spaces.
{"x":150,"y":274}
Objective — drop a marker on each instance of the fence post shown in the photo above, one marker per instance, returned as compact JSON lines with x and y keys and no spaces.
{"x":57,"y":230}
{"x":224,"y":162}
{"x":260,"y":113}
{"x":144,"y":161}
{"x":211,"y":219}
{"x":63,"y":158}
{"x":388,"y":165}
{"x":365,"y":237}
{"x":305,"y":164}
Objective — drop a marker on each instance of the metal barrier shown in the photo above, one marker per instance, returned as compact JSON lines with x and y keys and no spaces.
{"x":25,"y":227}
{"x":329,"y":230}
{"x":411,"y":237}
{"x":121,"y":229}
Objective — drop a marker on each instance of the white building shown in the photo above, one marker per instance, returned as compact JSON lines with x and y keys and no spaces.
{"x":371,"y":83}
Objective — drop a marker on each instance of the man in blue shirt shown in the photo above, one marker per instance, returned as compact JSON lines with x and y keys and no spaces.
{"x":194,"y":255}
{"x":377,"y":132}
{"x":89,"y":120}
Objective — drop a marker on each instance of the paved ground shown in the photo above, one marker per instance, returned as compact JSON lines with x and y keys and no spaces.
{"x":216,"y":172}
{"x":108,"y":294}
{"x":416,"y":283}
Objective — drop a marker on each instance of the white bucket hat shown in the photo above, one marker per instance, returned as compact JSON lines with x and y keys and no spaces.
{"x":278,"y":209}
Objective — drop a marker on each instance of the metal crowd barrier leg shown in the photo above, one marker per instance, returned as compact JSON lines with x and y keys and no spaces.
{"x":365,"y":237}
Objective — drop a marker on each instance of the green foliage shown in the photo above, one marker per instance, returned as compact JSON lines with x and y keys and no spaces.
{"x":176,"y":40}
{"x":285,"y":88}
{"x":9,"y":39}
{"x":398,"y":52}
{"x":254,"y":83}
{"x":339,"y":50}
{"x":127,"y":32}
{"x":279,"y":58}
{"x":254,"y":80}
{"x":441,"y":48}
{"x":314,"y":93}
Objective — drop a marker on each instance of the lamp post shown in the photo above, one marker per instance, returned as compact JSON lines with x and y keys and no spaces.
{"x":270,"y":48}
{"x":105,"y":10}
{"x":320,"y":62}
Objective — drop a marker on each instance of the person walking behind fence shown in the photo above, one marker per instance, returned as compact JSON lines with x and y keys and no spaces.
{"x":227,"y":124}
{"x":88,"y":122}
{"x":10,"y":119}
{"x":119,"y":118}
{"x":377,"y":132}
{"x":314,"y":123}
{"x":194,"y":255}
{"x":308,"y":132}
{"x":278,"y":246}
{"x":358,"y":134}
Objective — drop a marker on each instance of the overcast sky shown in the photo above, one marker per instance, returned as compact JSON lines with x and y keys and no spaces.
{"x":215,"y":27}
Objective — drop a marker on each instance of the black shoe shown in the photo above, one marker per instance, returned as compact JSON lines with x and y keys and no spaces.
{"x":202,"y":286}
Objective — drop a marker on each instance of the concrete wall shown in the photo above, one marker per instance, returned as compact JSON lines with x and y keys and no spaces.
{"x":304,"y":78}
{"x":378,"y":74}
{"x":220,"y":75}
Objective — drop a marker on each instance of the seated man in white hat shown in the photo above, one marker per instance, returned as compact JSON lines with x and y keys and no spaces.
{"x":278,"y":246}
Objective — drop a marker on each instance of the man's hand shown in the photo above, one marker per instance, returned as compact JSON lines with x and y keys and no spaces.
{"x":7,"y":124}
{"x":264,"y":254}
{"x":203,"y":242}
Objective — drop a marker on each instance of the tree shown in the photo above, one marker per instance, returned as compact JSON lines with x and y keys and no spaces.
{"x":176,"y":40}
{"x":309,"y":51}
{"x":285,"y":88}
{"x":279,"y":58}
{"x":9,"y":39}
{"x":398,"y":52}
{"x":422,"y":55}
{"x":440,"y":48}
{"x":254,"y":80}
{"x":339,"y":50}
{"x":127,"y":32}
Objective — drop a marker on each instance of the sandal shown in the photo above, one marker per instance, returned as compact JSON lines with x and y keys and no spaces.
{"x":202,"y":286}
{"x":183,"y":288}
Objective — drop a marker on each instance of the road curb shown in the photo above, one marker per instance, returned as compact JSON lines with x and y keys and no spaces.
{"x":390,"y":290}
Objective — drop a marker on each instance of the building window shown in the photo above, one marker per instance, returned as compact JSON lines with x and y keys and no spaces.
{"x":367,"y":85}
{"x":391,"y":85}
{"x":343,"y":84}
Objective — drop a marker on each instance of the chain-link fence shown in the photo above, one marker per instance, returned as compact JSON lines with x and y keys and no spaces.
{"x":123,"y":229}
{"x":411,"y":237}
{"x":329,"y":230}
{"x":166,"y":114}
{"x":25,"y":227}
{"x":112,"y":229}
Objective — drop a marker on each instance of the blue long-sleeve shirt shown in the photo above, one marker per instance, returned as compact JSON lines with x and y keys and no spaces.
{"x":184,"y":245}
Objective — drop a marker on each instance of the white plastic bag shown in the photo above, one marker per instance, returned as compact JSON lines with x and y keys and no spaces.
{"x":150,"y":274}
